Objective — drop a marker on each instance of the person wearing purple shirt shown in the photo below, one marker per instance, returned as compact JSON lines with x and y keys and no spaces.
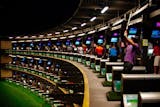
{"x":130,"y":54}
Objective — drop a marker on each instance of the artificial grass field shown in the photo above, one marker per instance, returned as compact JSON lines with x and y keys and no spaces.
{"x":12,"y":95}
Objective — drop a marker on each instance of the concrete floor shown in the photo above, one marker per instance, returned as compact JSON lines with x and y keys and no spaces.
{"x":96,"y":90}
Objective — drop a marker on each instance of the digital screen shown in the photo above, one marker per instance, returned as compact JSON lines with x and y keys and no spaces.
{"x":57,"y":65}
{"x":115,"y":34}
{"x":109,"y":77}
{"x":89,"y":38}
{"x":23,"y":59}
{"x":40,"y":61}
{"x":49,"y":44}
{"x":132,"y":30}
{"x":130,"y":36}
{"x":23,"y":75}
{"x":88,"y":42}
{"x":158,"y":24}
{"x":44,"y":44}
{"x":101,"y":36}
{"x":67,"y":43}
{"x":78,"y":39}
{"x":49,"y":63}
{"x":100,"y":41}
{"x":150,"y":51}
{"x":77,"y":43}
{"x":31,"y":77}
{"x":23,"y":45}
{"x":15,"y":59}
{"x":130,"y":100}
{"x":58,"y":43}
{"x":117,"y":85}
{"x":40,"y":44}
{"x":31,"y":45}
{"x":14,"y":44}
{"x":114,"y":39}
{"x":32,"y":60}
{"x":155,"y":34}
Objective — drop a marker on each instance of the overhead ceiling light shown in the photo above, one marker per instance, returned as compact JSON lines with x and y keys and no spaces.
{"x":103,"y":28}
{"x":39,"y":36}
{"x":37,"y":58}
{"x":45,"y":39}
{"x":93,"y":31}
{"x":12,"y":55}
{"x":93,"y":18}
{"x":54,"y":38}
{"x":72,"y":36}
{"x":82,"y":34}
{"x":25,"y":37}
{"x":62,"y":37}
{"x":28,"y":40}
{"x":29,"y":57}
{"x":21,"y":41}
{"x":74,"y":28}
{"x":18,"y":37}
{"x":83,"y":24}
{"x":104,"y":9}
{"x":118,"y":22}
{"x":57,"y":33}
{"x":37,"y":40}
{"x":10,"y":37}
{"x":49,"y":34}
{"x":65,"y":31}
{"x":19,"y":56}
{"x":13,"y":41}
{"x":35,"y":36}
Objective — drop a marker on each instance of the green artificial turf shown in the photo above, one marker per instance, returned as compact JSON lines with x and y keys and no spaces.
{"x":107,"y":83}
{"x":113,"y":96}
{"x":12,"y":95}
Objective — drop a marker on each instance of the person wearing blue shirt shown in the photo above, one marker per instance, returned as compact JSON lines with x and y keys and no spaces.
{"x":113,"y":53}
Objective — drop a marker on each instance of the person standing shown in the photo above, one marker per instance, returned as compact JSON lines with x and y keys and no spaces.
{"x":130,"y":54}
{"x":156,"y":53}
{"x":113,"y":53}
{"x":99,"y":51}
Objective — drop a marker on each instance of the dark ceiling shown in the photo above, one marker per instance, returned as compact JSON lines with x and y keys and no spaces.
{"x":23,"y":17}
{"x":29,"y":17}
